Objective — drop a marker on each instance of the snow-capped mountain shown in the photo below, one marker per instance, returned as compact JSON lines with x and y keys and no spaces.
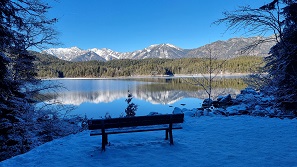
{"x":233,"y":47}
{"x":104,"y":54}
{"x":74,"y":54}
{"x":65,"y":53}
{"x":159,"y":51}
{"x":221,"y":49}
{"x":88,"y":56}
{"x":107,"y":54}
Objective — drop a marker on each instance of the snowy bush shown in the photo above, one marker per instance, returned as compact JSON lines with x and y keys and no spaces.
{"x":33,"y":129}
{"x":131,"y":108}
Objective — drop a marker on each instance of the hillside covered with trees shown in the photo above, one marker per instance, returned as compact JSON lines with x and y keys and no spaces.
{"x":51,"y":67}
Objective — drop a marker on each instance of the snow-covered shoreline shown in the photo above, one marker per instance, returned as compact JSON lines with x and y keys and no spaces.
{"x":248,"y":102}
{"x":245,"y":133}
{"x":203,"y":141}
{"x":208,"y":138}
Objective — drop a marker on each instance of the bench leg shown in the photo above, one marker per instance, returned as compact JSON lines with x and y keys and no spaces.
{"x":104,"y":139}
{"x":166,"y":134}
{"x":103,"y":142}
{"x":170,"y":134}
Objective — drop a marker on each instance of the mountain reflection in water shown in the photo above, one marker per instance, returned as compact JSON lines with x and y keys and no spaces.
{"x":95,"y":97}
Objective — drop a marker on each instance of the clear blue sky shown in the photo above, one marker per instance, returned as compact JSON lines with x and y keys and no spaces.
{"x":129,"y":25}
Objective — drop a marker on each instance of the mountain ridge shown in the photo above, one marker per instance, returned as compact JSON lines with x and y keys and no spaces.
{"x":221,"y":49}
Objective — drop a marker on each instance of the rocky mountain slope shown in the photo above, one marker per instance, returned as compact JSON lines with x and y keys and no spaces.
{"x":221,"y":49}
{"x":233,"y":47}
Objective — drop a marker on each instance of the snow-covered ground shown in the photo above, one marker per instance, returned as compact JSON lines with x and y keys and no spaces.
{"x":203,"y":141}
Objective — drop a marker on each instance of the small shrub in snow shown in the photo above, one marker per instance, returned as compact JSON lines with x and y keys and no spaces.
{"x":131,"y":108}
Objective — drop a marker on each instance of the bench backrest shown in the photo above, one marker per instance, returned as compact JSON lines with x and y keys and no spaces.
{"x":135,"y":121}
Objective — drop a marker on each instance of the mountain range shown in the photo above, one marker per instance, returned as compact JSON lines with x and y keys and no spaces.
{"x":220,"y":49}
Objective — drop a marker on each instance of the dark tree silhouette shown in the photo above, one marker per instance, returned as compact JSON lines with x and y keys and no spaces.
{"x":280,"y":17}
{"x":131,"y":108}
{"x":23,"y":25}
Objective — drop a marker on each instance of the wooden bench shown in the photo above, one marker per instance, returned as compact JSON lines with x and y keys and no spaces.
{"x":166,"y":122}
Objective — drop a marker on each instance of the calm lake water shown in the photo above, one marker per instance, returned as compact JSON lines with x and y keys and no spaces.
{"x":96,"y":97}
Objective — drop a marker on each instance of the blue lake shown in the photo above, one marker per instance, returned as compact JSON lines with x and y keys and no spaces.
{"x":96,"y":97}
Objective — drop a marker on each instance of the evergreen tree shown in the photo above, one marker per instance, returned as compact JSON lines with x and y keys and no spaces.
{"x":131,"y":108}
{"x":23,"y":25}
{"x":282,"y":64}
{"x":280,"y":17}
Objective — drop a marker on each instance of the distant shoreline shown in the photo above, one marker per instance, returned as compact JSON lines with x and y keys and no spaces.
{"x":153,"y":76}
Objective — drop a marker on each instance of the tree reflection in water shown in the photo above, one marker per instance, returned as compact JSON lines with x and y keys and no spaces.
{"x":96,"y":97}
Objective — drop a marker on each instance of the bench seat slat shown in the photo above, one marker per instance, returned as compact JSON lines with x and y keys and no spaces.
{"x":135,"y":121}
{"x":130,"y":130}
